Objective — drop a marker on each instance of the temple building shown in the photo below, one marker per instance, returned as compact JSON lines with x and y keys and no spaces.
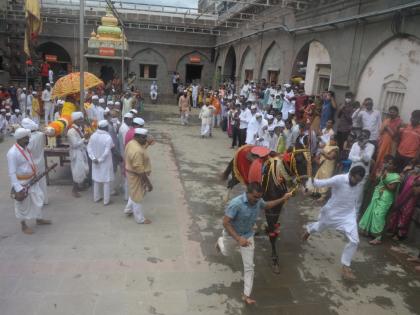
{"x":106,"y":48}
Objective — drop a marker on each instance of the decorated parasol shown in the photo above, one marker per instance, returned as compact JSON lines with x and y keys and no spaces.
{"x":70,"y":84}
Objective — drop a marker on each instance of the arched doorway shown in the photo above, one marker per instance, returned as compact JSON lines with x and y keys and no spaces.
{"x":391,"y":76}
{"x":247,"y":66}
{"x":150,"y":65}
{"x":58,"y":58}
{"x":194,"y":67}
{"x":270,"y":66}
{"x":313,"y":65}
{"x":229,"y":69}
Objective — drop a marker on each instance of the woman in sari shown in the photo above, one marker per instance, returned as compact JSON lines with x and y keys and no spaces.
{"x":403,"y":209}
{"x":327,"y":164}
{"x":373,"y":220}
{"x":387,"y":139}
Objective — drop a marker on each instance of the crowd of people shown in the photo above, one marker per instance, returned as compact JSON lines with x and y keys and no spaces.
{"x":107,"y":148}
{"x":351,"y":148}
{"x":377,"y":153}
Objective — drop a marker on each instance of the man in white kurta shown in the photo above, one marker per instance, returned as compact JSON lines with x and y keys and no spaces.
{"x":288,"y":101}
{"x":22,"y":170}
{"x":153,"y":91}
{"x":99,"y":151}
{"x":340,"y":212}
{"x":48,"y":104}
{"x":78,"y":155}
{"x":206,"y":120}
{"x":361,"y":153}
{"x":194,"y":94}
{"x":36,"y":147}
{"x":100,"y":110}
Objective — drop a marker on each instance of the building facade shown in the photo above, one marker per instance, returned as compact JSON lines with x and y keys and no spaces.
{"x":371,"y":47}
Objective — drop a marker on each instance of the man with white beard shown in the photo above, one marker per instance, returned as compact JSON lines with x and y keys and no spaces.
{"x":21,"y":170}
{"x":99,"y":151}
{"x":36,"y":147}
{"x":78,"y":156}
{"x":256,"y":128}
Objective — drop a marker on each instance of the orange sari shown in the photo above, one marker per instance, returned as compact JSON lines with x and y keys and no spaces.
{"x":386,"y":144}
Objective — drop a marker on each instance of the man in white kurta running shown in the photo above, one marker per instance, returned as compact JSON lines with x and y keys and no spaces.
{"x":36,"y":147}
{"x":340,"y":213}
{"x":99,"y":151}
{"x":78,"y":155}
{"x":22,"y":170}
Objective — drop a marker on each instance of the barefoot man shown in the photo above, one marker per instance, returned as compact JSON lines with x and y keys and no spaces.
{"x":21,"y":170}
{"x":340,"y":212}
{"x":240,"y":217}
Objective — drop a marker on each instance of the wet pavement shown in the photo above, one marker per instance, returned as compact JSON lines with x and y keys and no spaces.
{"x":94,"y":260}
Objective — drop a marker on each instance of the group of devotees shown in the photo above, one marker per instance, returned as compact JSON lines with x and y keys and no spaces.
{"x":92,"y":162}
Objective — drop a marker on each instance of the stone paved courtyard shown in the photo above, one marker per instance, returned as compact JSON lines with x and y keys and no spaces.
{"x":95,"y":260}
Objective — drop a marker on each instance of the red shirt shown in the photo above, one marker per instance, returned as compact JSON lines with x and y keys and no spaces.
{"x":300,"y":105}
{"x":129,"y":135}
{"x":44,"y":69}
{"x":409,"y":141}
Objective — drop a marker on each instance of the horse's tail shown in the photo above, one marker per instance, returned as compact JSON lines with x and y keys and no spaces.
{"x":228,"y":171}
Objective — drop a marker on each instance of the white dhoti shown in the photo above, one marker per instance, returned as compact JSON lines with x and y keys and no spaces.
{"x":79,"y":165}
{"x":31,"y":206}
{"x":350,"y":231}
{"x":228,"y":245}
{"x":206,"y":126}
{"x":153,"y":96}
{"x":43,"y":185}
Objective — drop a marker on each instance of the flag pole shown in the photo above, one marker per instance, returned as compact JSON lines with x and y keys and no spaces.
{"x":81,"y":53}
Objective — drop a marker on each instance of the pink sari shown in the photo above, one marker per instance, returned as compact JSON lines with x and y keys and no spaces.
{"x":403,"y":208}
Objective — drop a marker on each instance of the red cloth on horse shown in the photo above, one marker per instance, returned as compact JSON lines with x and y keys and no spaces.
{"x":242,"y":166}
{"x":255,"y":171}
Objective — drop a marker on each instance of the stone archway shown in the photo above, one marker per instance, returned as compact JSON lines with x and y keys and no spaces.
{"x":247,"y":66}
{"x":150,"y":65}
{"x":313,"y":65}
{"x":57,"y":56}
{"x":229,"y":68}
{"x":270,"y":65}
{"x":391,"y":75}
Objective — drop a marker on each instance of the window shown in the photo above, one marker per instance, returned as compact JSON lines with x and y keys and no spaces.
{"x":148,"y":71}
{"x":272,"y":76}
{"x":393,"y":93}
{"x":249,"y":74}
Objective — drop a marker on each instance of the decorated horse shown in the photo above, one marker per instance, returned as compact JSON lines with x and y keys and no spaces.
{"x":277,"y":173}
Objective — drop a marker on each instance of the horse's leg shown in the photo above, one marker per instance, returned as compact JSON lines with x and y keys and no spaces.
{"x":272,"y":230}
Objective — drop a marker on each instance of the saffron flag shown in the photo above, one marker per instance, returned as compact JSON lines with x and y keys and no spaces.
{"x":33,"y":22}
